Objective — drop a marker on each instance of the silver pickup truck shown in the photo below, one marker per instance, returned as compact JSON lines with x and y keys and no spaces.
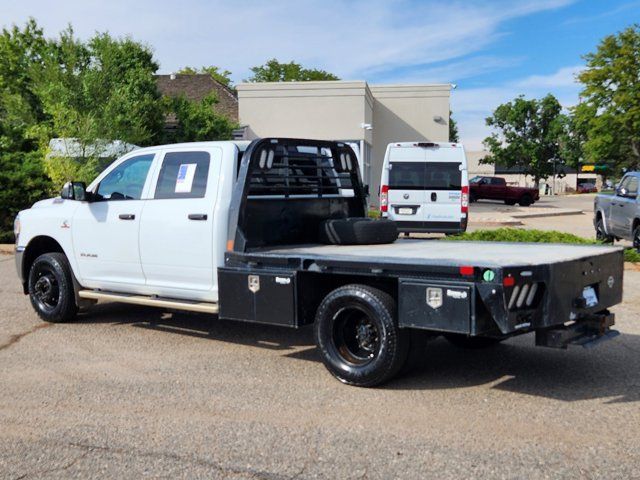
{"x":617,"y":216}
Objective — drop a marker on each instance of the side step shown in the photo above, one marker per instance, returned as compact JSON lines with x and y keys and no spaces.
{"x":167,"y":303}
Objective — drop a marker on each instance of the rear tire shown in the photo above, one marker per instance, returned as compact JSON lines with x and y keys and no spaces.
{"x":525,"y":201}
{"x":358,"y":336}
{"x":471,"y":343}
{"x":51,"y":288}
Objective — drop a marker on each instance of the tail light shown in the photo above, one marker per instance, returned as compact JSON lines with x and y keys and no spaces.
{"x":464,"y":205}
{"x":384,"y":198}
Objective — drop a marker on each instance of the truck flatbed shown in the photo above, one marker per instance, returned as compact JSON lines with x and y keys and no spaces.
{"x":449,"y":253}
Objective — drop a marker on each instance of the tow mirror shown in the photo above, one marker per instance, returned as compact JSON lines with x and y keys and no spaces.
{"x":622,"y":192}
{"x":74,"y":191}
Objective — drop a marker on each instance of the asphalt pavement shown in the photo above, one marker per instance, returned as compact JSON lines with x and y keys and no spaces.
{"x":131,"y":392}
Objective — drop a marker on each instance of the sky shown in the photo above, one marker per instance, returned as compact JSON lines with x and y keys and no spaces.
{"x":491,"y":50}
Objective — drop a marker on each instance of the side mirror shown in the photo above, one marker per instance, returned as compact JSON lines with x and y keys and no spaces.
{"x":74,"y":191}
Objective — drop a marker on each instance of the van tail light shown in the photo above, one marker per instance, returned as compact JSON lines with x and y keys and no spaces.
{"x":384,"y":198}
{"x":464,"y":205}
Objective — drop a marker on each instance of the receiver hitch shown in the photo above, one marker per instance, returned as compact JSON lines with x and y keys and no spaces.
{"x":588,"y":332}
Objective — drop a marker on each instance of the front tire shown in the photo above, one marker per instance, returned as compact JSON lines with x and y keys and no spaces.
{"x":358,"y":336}
{"x":601,"y":233}
{"x":636,"y":238}
{"x":525,"y":201}
{"x":51,"y":288}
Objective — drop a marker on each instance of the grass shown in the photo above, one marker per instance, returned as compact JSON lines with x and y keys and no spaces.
{"x":535,"y":236}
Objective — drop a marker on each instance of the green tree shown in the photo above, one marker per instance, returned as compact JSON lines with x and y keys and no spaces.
{"x":527,"y":134}
{"x":274,"y":71}
{"x":610,"y":101}
{"x":22,"y":177}
{"x":454,"y":137}
{"x":197,"y":121}
{"x":222,"y":76}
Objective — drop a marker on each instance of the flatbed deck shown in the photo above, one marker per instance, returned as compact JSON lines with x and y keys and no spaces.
{"x":449,"y":253}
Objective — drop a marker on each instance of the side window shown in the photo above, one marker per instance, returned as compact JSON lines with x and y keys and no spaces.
{"x":624,"y":183}
{"x":126,"y":181}
{"x":183,"y":175}
{"x":632,"y":186}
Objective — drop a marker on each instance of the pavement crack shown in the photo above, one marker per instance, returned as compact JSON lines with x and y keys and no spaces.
{"x":13,"y":339}
{"x":66,"y":466}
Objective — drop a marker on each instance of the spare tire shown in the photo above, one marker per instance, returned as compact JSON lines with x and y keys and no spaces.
{"x":357,"y":231}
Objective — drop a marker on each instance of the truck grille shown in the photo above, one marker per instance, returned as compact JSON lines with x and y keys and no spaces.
{"x":524,"y":296}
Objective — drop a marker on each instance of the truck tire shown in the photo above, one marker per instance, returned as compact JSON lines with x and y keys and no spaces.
{"x":51,"y":288}
{"x":601,"y":233}
{"x":357,"y":231}
{"x":471,"y":343}
{"x":636,"y":238}
{"x":358,"y":336}
{"x":525,"y":200}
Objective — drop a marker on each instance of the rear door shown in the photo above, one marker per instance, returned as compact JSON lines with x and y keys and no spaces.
{"x":407,"y":169}
{"x":443,"y":182}
{"x":176,"y":228}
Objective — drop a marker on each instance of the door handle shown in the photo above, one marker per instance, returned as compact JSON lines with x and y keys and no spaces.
{"x":434,"y":196}
{"x":197,"y":216}
{"x":127,"y":216}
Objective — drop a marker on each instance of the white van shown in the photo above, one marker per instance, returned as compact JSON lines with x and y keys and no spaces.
{"x":425,"y":187}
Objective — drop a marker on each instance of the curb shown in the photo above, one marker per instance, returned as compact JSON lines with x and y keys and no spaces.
{"x":547,"y":214}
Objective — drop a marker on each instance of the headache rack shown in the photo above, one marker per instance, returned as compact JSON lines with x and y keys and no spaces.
{"x":289,"y":187}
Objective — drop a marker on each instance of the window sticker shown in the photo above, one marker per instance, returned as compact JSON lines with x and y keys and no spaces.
{"x":184,"y":181}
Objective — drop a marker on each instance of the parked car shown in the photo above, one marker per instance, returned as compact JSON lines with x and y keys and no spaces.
{"x":425,"y":187}
{"x":275,"y":233}
{"x":587,"y":188}
{"x":496,"y":188}
{"x":617,"y":216}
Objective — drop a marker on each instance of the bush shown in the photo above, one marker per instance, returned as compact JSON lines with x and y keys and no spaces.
{"x":534,"y":236}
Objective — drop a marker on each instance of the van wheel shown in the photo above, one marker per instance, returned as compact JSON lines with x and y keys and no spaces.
{"x":51,"y":288}
{"x":471,"y":343}
{"x":358,"y":336}
{"x":525,"y":201}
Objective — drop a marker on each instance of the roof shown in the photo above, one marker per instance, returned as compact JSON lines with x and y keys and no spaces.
{"x":196,"y":87}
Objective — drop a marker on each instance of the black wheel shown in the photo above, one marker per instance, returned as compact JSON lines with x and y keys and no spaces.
{"x":601,"y":233}
{"x":525,"y":201}
{"x":358,"y":336}
{"x":510,"y":202}
{"x":472,"y":198}
{"x":636,"y":238}
{"x":471,"y":343}
{"x":51,"y":288}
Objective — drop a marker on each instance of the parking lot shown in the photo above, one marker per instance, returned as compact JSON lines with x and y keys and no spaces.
{"x":126,"y":392}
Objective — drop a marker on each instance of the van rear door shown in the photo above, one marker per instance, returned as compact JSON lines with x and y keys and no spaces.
{"x":425,"y":186}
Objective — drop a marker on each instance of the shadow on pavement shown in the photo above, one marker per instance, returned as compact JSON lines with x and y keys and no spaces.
{"x":611,"y":370}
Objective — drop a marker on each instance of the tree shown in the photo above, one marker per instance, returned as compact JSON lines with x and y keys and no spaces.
{"x":610,"y":105}
{"x":453,"y":130}
{"x":197,"y":121}
{"x":528,"y":135}
{"x":274,"y":71}
{"x":219,"y":75}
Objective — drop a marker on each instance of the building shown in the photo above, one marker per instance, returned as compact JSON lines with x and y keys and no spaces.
{"x":368,"y":116}
{"x":196,"y":87}
{"x":566,"y":182}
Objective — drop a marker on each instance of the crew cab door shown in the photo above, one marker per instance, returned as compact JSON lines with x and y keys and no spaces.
{"x":105,"y":230}
{"x":176,"y":230}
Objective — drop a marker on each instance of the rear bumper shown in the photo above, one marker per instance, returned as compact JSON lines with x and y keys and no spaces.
{"x":432,"y":227}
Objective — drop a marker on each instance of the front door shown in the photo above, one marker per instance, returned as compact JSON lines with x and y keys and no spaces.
{"x":176,"y":231}
{"x":623,"y":209}
{"x":105,"y":231}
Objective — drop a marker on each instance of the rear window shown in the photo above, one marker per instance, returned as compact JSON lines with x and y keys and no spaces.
{"x":425,"y":176}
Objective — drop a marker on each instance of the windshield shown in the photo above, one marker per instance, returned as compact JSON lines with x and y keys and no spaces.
{"x":475,"y":179}
{"x":425,"y":176}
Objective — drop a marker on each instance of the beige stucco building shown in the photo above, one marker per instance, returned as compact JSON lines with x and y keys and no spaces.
{"x":370,"y":116}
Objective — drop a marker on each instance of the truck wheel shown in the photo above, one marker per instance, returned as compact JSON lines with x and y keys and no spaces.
{"x":525,"y":201}
{"x":471,"y":343}
{"x":51,"y":288}
{"x":358,"y":336}
{"x":473,"y":198}
{"x":601,"y":234}
{"x":636,"y":238}
{"x":510,"y":202}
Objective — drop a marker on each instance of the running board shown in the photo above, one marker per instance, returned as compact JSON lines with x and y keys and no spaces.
{"x":171,"y":304}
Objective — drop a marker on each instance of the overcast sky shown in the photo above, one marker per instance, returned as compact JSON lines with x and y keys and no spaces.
{"x":492,"y":50}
